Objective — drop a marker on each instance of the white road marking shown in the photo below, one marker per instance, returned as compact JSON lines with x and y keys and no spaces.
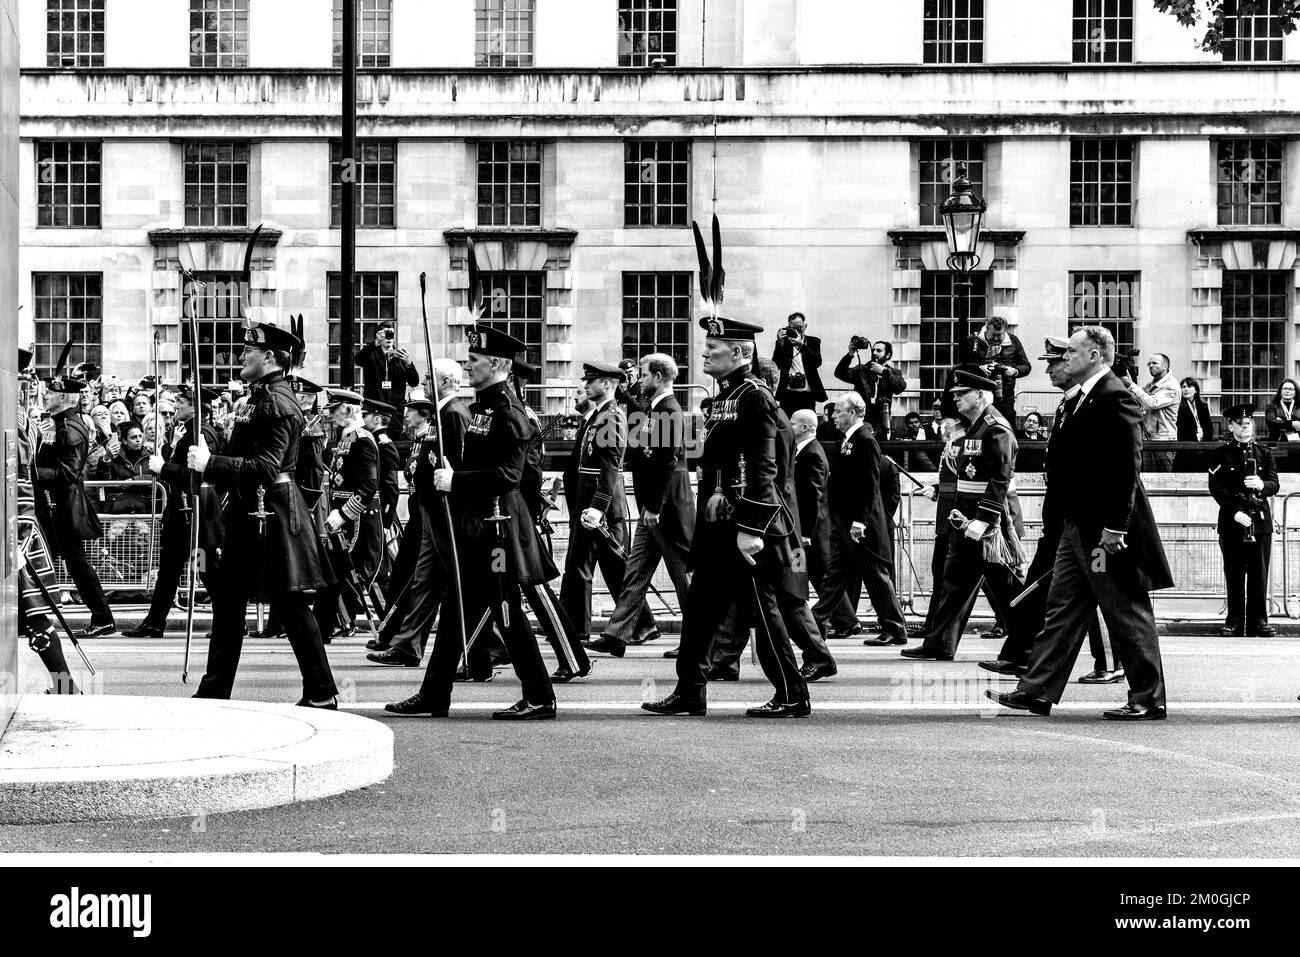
{"x":869,"y":706}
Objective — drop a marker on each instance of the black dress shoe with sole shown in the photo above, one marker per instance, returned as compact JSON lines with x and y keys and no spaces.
{"x":97,"y":631}
{"x":374,"y":644}
{"x":415,"y":705}
{"x":818,"y":672}
{"x":650,"y":636}
{"x":605,"y":646}
{"x":142,"y":631}
{"x":671,"y":652}
{"x":391,"y":656}
{"x":676,"y":704}
{"x":331,"y":705}
{"x":882,"y":640}
{"x":1134,"y":712}
{"x":836,"y":635}
{"x":1229,"y":632}
{"x":463,"y":675}
{"x":781,"y":709}
{"x":562,"y":675}
{"x":1019,"y":701}
{"x":1099,"y":677}
{"x":1001,"y":667}
{"x":524,"y":711}
{"x":922,"y":653}
{"x":1263,"y":631}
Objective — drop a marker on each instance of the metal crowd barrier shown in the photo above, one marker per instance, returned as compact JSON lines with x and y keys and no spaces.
{"x":126,"y":556}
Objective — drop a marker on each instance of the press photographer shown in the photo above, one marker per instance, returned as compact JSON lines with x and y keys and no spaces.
{"x":386,"y":372}
{"x":798,"y":357}
{"x":997,"y":354}
{"x":875,"y":380}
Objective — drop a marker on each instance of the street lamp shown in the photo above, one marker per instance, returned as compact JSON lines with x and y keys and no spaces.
{"x":963,"y":216}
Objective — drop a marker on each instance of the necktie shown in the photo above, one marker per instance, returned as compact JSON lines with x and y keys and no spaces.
{"x":1067,"y":407}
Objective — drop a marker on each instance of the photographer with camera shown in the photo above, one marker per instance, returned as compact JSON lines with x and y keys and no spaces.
{"x":798,"y":356}
{"x":997,"y":354}
{"x":875,"y":380}
{"x":1159,"y":401}
{"x":386,"y":372}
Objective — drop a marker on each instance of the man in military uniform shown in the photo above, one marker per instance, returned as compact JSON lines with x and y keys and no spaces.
{"x":496,"y":554}
{"x":174,"y":553}
{"x":64,"y":510}
{"x":745,"y":555}
{"x":352,"y":525}
{"x":1243,"y":477}
{"x":985,"y":469}
{"x":376,"y":416}
{"x":271,"y":545}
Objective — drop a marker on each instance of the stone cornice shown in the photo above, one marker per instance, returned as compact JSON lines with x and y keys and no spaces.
{"x":930,"y":234}
{"x":1219,"y":234}
{"x":559,"y":236}
{"x":170,"y":235}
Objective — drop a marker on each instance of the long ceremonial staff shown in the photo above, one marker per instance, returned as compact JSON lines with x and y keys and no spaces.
{"x":196,"y":480}
{"x":446,"y":505}
{"x":158,"y":447}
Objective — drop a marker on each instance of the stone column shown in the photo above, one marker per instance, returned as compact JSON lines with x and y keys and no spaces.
{"x":8,"y":351}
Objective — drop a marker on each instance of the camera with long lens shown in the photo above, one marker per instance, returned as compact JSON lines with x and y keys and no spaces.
{"x":1125,"y":363}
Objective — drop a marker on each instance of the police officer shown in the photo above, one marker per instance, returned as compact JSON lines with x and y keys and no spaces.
{"x":985,"y":469}
{"x":271,"y":545}
{"x":353,"y":525}
{"x":745,"y":555}
{"x":64,"y":510}
{"x":496,"y":554}
{"x":180,"y":510}
{"x":1243,"y":477}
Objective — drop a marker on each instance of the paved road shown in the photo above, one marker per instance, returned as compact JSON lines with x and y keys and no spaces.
{"x":899,"y":758}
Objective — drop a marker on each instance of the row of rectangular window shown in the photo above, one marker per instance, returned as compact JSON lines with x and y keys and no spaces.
{"x":505,"y":30}
{"x":656,"y":181}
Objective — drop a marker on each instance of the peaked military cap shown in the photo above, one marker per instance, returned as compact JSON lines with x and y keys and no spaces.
{"x":963,"y":381}
{"x":263,"y":335}
{"x":422,"y":402}
{"x":487,"y":341}
{"x":375,"y":406}
{"x":1054,"y":348}
{"x":1243,"y":410}
{"x":302,"y":385}
{"x":602,"y":370}
{"x":720,"y":327}
{"x":339,"y":396}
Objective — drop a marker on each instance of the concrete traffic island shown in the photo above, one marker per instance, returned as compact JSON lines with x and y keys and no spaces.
{"x":102,"y":757}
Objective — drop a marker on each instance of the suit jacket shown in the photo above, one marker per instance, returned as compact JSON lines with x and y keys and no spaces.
{"x":1280,"y":422}
{"x":811,"y":350}
{"x":877,"y":390}
{"x":854,"y":491}
{"x":1188,"y":422}
{"x":810,"y":472}
{"x":656,"y":457}
{"x":1093,"y":478}
{"x":600,"y":449}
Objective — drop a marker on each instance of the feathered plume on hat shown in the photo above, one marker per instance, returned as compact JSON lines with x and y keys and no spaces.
{"x":61,"y":367}
{"x":712,"y":277}
{"x":298,"y":355}
{"x":477,"y":306}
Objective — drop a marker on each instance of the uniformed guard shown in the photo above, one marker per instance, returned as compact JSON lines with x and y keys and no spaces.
{"x":376,"y":416}
{"x":983,"y":543}
{"x":271,"y":545}
{"x":1243,"y":477}
{"x":353,"y":528}
{"x":496,"y":554}
{"x":64,"y":510}
{"x":174,"y":553}
{"x":746,"y":557}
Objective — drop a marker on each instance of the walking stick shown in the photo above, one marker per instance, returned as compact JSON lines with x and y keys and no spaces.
{"x":438,"y":433}
{"x":196,"y":480}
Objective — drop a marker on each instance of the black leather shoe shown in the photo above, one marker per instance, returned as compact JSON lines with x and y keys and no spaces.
{"x":650,"y":636}
{"x":781,"y":709}
{"x":374,"y":644}
{"x":463,"y":675}
{"x":1134,"y":712}
{"x":833,"y":635}
{"x":1001,"y":667}
{"x":415,"y":705}
{"x":1229,"y":632}
{"x":142,"y":631}
{"x":921,"y":652}
{"x":1263,"y":631}
{"x":268,"y":632}
{"x":721,"y":674}
{"x":881,"y":640}
{"x":671,"y":652}
{"x":1100,"y":677}
{"x":605,"y":646}
{"x":562,"y":675}
{"x":523,"y":711}
{"x":344,"y":631}
{"x":676,"y":704}
{"x":331,"y":705}
{"x":97,"y":631}
{"x":391,"y":656}
{"x":1019,"y":701}
{"x":817,"y":672}
{"x":994,"y":632}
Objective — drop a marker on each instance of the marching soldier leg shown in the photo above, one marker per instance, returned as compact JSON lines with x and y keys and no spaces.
{"x":1133,"y":630}
{"x":429,"y":582}
{"x":1234,"y":574}
{"x":325,"y":609}
{"x":729,"y":641}
{"x":1257,"y":562}
{"x":171,"y":562}
{"x":88,"y":584}
{"x":1070,"y":604}
{"x":445,"y":653}
{"x":229,"y":609}
{"x":713,"y":593}
{"x":772,"y":641}
{"x":525,"y":655}
{"x":874,"y":568}
{"x":614,"y":571}
{"x":305,"y":639}
{"x":575,"y":586}
{"x":963,"y":570}
{"x":556,"y":627}
{"x":40,"y":634}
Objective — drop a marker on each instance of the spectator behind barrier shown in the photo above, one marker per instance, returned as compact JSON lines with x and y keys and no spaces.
{"x":1159,"y":400}
{"x":1194,"y":425}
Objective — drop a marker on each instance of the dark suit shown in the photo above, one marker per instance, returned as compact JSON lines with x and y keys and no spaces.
{"x":1094,"y":483}
{"x":810,"y":353}
{"x":854,"y":491}
{"x":1245,"y":563}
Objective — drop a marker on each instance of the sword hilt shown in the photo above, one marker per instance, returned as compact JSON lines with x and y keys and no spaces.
{"x":497,"y":515}
{"x":261,"y":514}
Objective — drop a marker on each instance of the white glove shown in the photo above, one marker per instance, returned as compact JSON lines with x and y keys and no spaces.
{"x":749,"y":545}
{"x":976,"y":529}
{"x":591,"y":518}
{"x":442,"y":479}
{"x":334,"y":520}
{"x":856,"y":531}
{"x":155,"y":464}
{"x":1242,"y":519}
{"x":198,"y":456}
{"x":1254,"y":483}
{"x":928,"y":493}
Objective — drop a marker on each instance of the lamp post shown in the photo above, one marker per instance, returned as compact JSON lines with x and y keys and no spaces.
{"x":963,"y":217}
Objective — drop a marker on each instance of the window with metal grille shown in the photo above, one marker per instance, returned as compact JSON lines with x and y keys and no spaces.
{"x":503,"y":32}
{"x":375,"y":304}
{"x":374,"y":171}
{"x":216,"y":300}
{"x":67,"y":183}
{"x":374,"y":33}
{"x":68,"y":306}
{"x":219,"y":33}
{"x":216,"y":183}
{"x":74,"y":33}
{"x":941,"y":339}
{"x":1101,"y":182}
{"x":953,"y":31}
{"x":1103,"y":31}
{"x":647,"y":31}
{"x":1107,"y":299}
{"x":516,"y":305}
{"x":509,"y":183}
{"x":1250,"y":182}
{"x":1254,"y":36}
{"x":657,"y":317}
{"x":1253,"y":335}
{"x":656,"y":182}
{"x":939,"y":162}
